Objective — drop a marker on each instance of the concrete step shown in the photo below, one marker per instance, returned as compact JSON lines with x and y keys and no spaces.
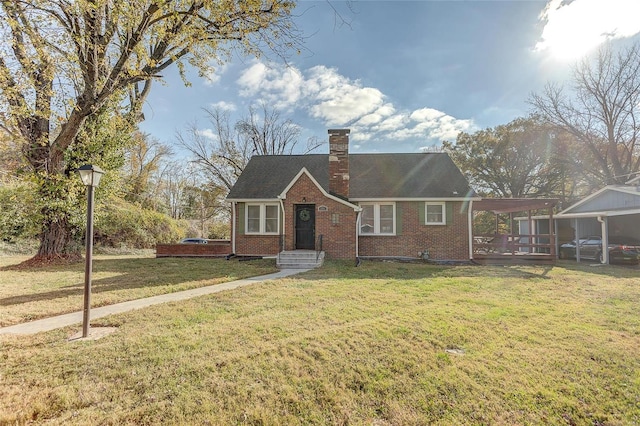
{"x":300,"y":259}
{"x":298,"y":265}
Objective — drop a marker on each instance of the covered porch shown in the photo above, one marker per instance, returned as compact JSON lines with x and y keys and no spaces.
{"x":505,"y":244}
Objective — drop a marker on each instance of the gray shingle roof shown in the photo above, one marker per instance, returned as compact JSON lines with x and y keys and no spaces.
{"x":372,"y":176}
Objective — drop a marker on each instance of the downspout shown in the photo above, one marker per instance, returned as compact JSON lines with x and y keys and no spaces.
{"x":233,"y":227}
{"x":359,"y":214}
{"x":605,"y":239}
{"x":470,"y":225}
{"x":284,"y":217}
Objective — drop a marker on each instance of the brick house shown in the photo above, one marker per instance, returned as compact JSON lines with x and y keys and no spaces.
{"x":352,"y":205}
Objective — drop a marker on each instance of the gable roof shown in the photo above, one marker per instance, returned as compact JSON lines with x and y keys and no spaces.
{"x":372,"y":176}
{"x":304,"y":171}
{"x":611,"y":198}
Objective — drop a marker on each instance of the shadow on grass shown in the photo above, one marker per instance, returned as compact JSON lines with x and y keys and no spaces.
{"x":137,"y":273}
{"x":613,"y":271}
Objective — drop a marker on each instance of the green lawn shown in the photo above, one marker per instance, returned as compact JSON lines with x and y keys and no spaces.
{"x":42,"y":292}
{"x":381,"y":344}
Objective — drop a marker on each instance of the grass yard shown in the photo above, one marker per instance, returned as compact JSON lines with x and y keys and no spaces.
{"x":382,"y":344}
{"x":27,"y":295}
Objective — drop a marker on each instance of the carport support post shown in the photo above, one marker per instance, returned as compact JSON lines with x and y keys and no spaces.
{"x":605,"y":238}
{"x":577,"y":238}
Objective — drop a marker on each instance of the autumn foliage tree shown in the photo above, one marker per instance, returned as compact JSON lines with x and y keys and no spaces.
{"x":524,"y":158}
{"x":63,"y":62}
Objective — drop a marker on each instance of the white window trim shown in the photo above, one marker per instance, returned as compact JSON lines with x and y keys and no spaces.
{"x":376,"y":220}
{"x":263,"y":218}
{"x":443,"y":206}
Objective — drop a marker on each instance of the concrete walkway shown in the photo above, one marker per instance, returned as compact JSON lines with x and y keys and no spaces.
{"x":60,"y":321}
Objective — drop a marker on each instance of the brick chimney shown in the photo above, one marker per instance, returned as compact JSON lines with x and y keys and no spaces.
{"x":339,"y":162}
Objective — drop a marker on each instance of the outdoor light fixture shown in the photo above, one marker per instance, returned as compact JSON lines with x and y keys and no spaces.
{"x":90,"y":176}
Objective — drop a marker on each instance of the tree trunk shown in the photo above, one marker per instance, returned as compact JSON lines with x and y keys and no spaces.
{"x":57,"y":196}
{"x":56,"y":240}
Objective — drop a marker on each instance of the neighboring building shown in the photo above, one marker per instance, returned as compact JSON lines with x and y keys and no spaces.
{"x":611,"y":211}
{"x":353,"y":205}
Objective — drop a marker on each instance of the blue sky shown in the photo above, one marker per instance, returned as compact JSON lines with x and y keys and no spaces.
{"x":403,"y":75}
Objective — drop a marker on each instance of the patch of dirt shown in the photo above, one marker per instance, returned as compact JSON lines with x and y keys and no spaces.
{"x":45,"y":261}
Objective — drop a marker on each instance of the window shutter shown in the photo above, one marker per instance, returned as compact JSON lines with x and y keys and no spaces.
{"x":398,"y":219}
{"x":422,"y":207}
{"x":240,"y":222}
{"x":449,"y":208}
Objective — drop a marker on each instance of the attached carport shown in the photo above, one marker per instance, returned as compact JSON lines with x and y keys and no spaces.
{"x":608,"y":222}
{"x":613,"y":210}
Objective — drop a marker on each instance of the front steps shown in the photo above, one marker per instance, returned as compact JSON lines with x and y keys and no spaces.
{"x":299,"y":259}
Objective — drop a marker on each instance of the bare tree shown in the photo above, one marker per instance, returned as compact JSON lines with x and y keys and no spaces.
{"x":601,"y":110}
{"x":224,"y":154}
{"x":143,"y":162}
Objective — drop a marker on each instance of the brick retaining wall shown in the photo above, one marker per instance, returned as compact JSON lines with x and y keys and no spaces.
{"x":213,"y":249}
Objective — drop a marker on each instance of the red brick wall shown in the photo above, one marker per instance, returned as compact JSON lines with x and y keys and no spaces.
{"x":339,"y":162}
{"x":339,"y":238}
{"x":339,"y":241}
{"x":257,"y":245}
{"x":219,"y":248}
{"x":444,"y":242}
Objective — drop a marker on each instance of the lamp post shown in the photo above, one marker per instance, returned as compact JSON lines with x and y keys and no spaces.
{"x":90,"y":176}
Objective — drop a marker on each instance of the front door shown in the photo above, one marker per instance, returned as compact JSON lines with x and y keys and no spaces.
{"x":305,"y":226}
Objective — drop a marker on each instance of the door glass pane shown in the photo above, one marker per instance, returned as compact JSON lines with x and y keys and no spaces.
{"x":386,"y":219}
{"x":271,"y":219}
{"x":367,"y":220}
{"x":253,"y":219}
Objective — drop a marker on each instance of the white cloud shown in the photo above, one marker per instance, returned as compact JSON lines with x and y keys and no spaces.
{"x":281,"y":86}
{"x":340,"y":100}
{"x":376,"y":116}
{"x":426,"y":114}
{"x":207,"y":133}
{"x":337,"y":100}
{"x":251,"y":78}
{"x":223,"y":106}
{"x":431,"y":124}
{"x":573,"y":28}
{"x":392,"y":123}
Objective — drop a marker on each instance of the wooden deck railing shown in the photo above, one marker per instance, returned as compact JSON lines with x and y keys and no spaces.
{"x":520,"y":244}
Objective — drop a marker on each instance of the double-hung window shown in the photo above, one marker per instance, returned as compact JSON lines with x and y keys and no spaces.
{"x":378,"y":219}
{"x":262,"y":218}
{"x":435,"y":213}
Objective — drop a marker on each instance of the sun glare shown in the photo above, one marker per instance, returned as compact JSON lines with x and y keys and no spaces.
{"x":575,"y":28}
{"x":571,"y":47}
